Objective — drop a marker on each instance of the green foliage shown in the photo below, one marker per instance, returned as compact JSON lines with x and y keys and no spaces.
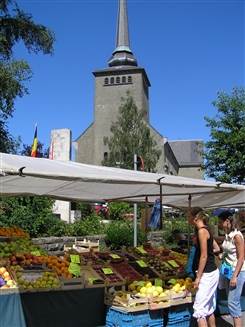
{"x":225,"y":152}
{"x":41,"y":151}
{"x":16,"y":26}
{"x":8,"y":144}
{"x":121,"y":233}
{"x":13,"y":75}
{"x":118,"y":209}
{"x":130,"y":135}
{"x":180,"y":223}
{"x":33,"y":214}
{"x":84,"y":208}
{"x":90,"y":225}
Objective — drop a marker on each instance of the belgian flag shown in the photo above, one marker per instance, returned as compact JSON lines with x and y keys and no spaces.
{"x":34,"y":144}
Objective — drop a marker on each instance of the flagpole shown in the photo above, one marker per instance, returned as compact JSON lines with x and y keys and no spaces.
{"x":135,"y":207}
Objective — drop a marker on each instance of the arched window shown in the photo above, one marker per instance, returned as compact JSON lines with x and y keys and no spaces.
{"x":112,"y":80}
{"x":129,"y":79}
{"x":106,"y":81}
{"x":118,"y":80}
{"x":123,"y":79}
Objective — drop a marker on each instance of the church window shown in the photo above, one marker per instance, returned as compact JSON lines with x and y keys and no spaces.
{"x":118,"y":80}
{"x":112,"y":80}
{"x":106,"y":81}
{"x":123,"y":79}
{"x":129,"y":79}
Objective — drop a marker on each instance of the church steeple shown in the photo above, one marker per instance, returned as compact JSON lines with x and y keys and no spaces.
{"x":122,"y":55}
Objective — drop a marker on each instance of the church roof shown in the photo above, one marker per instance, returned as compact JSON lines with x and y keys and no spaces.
{"x":188,"y":152}
{"x":122,"y":55}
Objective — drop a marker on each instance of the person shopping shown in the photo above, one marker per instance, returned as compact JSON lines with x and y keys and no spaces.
{"x":206,"y":272}
{"x":232,"y":271}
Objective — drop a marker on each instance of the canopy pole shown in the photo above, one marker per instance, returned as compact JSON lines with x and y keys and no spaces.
{"x":159,"y":181}
{"x":160,"y":226}
{"x":135,"y":207}
{"x":189,"y":209}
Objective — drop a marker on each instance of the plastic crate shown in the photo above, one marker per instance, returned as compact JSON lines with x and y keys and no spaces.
{"x":116,"y":318}
{"x":185,"y":323}
{"x":178,"y":317}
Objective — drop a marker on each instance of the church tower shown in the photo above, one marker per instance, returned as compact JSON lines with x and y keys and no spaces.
{"x":111,"y":84}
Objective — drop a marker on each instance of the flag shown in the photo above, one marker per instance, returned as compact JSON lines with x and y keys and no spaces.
{"x":34,"y":144}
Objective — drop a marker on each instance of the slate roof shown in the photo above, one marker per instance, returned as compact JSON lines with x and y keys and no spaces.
{"x":187,"y":152}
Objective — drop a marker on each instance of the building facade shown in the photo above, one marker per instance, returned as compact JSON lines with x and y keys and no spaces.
{"x":122,"y":75}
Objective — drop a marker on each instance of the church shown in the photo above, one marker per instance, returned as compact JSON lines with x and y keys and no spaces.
{"x":122,"y":75}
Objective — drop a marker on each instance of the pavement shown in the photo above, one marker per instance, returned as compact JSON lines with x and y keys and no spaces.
{"x":224,"y":321}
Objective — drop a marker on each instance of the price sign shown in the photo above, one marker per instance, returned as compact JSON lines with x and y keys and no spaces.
{"x":36,"y":253}
{"x":75,"y":258}
{"x":173,"y":263}
{"x":107,"y":271}
{"x":140,"y":283}
{"x":75,"y":269}
{"x":158,"y":282}
{"x":141,"y":250}
{"x":141,"y":263}
{"x":115,"y":256}
{"x":91,"y":280}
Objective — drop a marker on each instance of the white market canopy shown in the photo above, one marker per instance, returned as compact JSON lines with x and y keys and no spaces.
{"x":68,"y":180}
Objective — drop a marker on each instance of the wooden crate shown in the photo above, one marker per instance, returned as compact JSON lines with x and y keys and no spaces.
{"x":156,"y":303}
{"x":71,"y":283}
{"x":87,"y":273}
{"x":33,"y":274}
{"x":140,"y":307}
{"x":126,"y":304}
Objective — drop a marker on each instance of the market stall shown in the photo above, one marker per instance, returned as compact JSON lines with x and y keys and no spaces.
{"x":141,"y":279}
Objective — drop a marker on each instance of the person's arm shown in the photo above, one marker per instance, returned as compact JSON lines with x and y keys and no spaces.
{"x":203,"y":237}
{"x":239,"y":243}
{"x":216,"y":248}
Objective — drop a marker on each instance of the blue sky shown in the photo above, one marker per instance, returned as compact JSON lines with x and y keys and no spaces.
{"x":189,"y":49}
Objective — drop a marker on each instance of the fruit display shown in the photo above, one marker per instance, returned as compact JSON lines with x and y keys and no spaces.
{"x":147,"y":290}
{"x":180,"y":287}
{"x":161,"y":266}
{"x":126,"y":271}
{"x":143,"y":270}
{"x":21,"y":245}
{"x":59,"y":265}
{"x":6,"y":281}
{"x":13,"y":232}
{"x":108,"y":274}
{"x":33,"y":280}
{"x":26,"y":260}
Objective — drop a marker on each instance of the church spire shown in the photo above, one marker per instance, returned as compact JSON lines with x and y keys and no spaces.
{"x":122,"y":55}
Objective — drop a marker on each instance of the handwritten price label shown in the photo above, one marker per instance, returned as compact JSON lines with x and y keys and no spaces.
{"x":75,"y":269}
{"x":36,"y":253}
{"x":75,"y":258}
{"x":141,"y":250}
{"x":173,"y":263}
{"x":158,"y":282}
{"x":115,"y":256}
{"x":107,"y":271}
{"x":141,"y":263}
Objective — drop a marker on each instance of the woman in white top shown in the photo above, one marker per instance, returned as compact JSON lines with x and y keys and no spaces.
{"x":233,"y":257}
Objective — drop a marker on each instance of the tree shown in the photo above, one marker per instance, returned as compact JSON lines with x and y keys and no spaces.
{"x":225,"y":152}
{"x":41,"y":151}
{"x":15,"y":26}
{"x":7,"y":143}
{"x":131,"y":135}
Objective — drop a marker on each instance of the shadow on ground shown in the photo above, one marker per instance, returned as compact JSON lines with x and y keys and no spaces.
{"x":220,"y":322}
